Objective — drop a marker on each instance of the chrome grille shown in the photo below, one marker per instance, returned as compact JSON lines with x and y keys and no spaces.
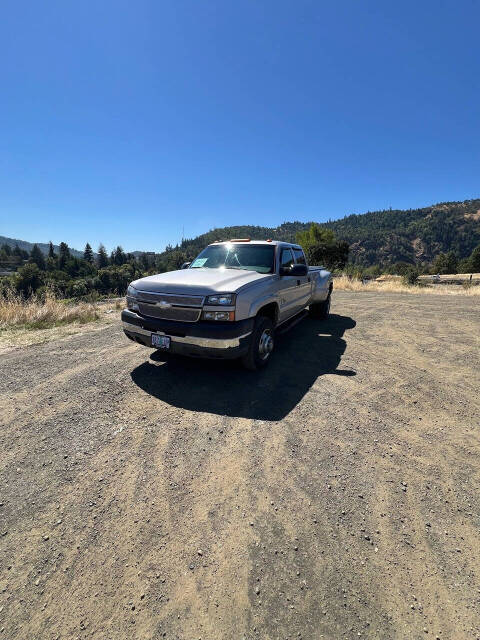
{"x":167,"y":306}
{"x":177,"y":300}
{"x":185,"y":314}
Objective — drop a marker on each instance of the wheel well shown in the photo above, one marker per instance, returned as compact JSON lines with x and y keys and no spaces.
{"x":269,"y":311}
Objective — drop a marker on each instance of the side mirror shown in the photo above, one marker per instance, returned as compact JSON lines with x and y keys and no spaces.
{"x":296,"y":270}
{"x":185,"y":265}
{"x":299,"y":270}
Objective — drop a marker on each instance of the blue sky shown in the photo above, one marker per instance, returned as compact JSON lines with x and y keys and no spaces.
{"x":123,"y":122}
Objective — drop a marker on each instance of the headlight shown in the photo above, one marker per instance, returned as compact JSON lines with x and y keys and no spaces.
{"x":132,"y":299}
{"x":225,"y":299}
{"x":219,"y":315}
{"x":131,"y":291}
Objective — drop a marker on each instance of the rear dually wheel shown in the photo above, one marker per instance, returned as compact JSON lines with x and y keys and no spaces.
{"x":321,"y":310}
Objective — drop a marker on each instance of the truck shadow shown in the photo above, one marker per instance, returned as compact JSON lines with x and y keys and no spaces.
{"x":309,"y":350}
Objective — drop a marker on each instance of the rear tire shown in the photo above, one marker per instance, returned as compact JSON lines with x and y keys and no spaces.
{"x":261,"y":344}
{"x":320,"y":310}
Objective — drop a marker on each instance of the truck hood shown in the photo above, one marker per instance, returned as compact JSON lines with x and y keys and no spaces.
{"x":199,"y":281}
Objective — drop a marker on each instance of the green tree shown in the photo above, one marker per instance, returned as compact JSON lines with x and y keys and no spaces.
{"x":20,"y":252}
{"x":102,"y":260}
{"x":88,"y":254}
{"x":37,"y":257}
{"x":144,"y":261}
{"x":28,"y":279}
{"x":51,"y":264}
{"x":322,"y":247}
{"x":7,"y":249}
{"x":63,"y":255}
{"x":445,"y":263}
{"x":401,"y":268}
{"x":118,"y":256}
{"x":315,"y":235}
{"x":51,"y":251}
{"x":372,"y":272}
{"x":475,"y":260}
{"x":410,"y":276}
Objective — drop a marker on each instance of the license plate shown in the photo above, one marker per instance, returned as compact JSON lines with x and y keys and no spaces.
{"x":160,"y":342}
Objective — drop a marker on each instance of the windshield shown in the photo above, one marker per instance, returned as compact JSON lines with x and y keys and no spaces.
{"x":251,"y":257}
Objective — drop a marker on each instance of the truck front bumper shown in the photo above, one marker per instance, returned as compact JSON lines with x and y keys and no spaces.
{"x":226,"y":340}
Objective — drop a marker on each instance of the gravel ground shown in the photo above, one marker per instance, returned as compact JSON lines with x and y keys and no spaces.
{"x":334,"y":495}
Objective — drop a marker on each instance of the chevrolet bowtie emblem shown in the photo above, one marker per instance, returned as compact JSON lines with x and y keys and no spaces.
{"x":164,"y":304}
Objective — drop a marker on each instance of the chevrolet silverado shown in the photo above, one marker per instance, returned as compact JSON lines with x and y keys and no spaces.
{"x":229,"y":302}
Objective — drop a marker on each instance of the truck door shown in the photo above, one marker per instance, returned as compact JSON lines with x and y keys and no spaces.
{"x":304,"y":283}
{"x":287,"y":288}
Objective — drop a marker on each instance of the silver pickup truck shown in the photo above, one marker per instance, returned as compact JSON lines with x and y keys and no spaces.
{"x":229,"y":302}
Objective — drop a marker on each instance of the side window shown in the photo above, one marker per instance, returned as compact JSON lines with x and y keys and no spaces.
{"x":286,"y":258}
{"x":299,"y":256}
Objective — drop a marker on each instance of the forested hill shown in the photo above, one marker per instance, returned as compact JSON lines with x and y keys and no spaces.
{"x":376,"y":237}
{"x":28,"y":246}
{"x":380,"y":237}
{"x":413,"y":235}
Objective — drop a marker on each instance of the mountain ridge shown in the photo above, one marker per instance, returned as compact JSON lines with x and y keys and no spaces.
{"x":375,"y":237}
{"x":379,"y":237}
{"x":43,"y":246}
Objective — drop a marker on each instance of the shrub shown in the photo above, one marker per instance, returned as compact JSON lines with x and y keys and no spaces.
{"x":28,"y":279}
{"x":79,"y":289}
{"x":410,"y":277}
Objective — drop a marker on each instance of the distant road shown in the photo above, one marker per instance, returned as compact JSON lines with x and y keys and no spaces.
{"x":332,"y":495}
{"x":452,"y":277}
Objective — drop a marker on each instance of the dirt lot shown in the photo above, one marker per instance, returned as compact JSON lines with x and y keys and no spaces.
{"x":335,"y":495}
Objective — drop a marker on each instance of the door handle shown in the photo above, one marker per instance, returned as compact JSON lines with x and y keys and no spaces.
{"x":298,"y":283}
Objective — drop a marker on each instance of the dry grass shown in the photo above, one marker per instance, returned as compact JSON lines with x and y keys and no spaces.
{"x":36,"y":313}
{"x":344,"y":283}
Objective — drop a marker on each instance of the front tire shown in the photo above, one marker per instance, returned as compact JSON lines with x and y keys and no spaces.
{"x":321,"y":310}
{"x":261,"y":344}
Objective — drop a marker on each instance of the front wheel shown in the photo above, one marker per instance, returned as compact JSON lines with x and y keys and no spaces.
{"x":261,"y":344}
{"x":320,"y":310}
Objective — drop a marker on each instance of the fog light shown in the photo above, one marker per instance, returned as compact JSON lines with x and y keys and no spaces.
{"x":219,"y":315}
{"x":132,"y":304}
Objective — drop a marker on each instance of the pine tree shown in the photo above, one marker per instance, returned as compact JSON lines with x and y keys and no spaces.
{"x":102,"y":259}
{"x":475,"y":260}
{"x":37,"y":257}
{"x":445,"y":263}
{"x":51,"y":251}
{"x":88,"y":253}
{"x":64,"y":255}
{"x":119,"y":256}
{"x":64,"y":249}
